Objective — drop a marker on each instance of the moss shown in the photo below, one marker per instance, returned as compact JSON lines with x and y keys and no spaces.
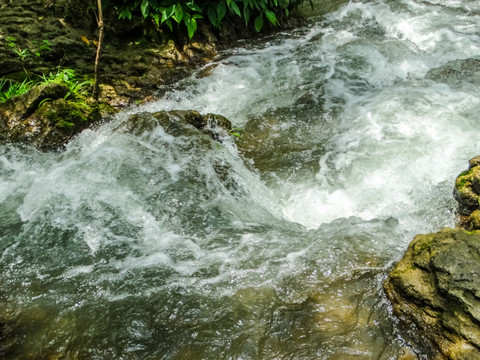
{"x":62,"y":124}
{"x":464,"y":179}
{"x":465,"y":172}
{"x":68,"y":114}
{"x":462,"y":182}
{"x":426,"y":245}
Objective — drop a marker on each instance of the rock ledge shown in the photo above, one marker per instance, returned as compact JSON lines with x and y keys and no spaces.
{"x":436,"y":287}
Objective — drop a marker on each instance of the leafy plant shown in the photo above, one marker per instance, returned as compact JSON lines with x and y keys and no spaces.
{"x":22,"y":54}
{"x":10,"y":88}
{"x":11,"y":41}
{"x":187,"y":12}
{"x":44,"y":45}
{"x":68,"y":77}
{"x":236,"y":132}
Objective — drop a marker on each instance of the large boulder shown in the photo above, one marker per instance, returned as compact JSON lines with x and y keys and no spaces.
{"x":45,"y":119}
{"x":436,"y":288}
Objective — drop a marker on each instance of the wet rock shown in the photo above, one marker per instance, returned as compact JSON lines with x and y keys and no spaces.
{"x":273,"y":144}
{"x":108,"y":95}
{"x":177,"y":123}
{"x":436,"y":288}
{"x":455,"y":72}
{"x":319,"y":7}
{"x":44,"y":119}
{"x":467,"y":192}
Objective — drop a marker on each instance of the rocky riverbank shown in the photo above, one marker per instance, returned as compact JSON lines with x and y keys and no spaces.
{"x":139,"y":61}
{"x":435,"y":288}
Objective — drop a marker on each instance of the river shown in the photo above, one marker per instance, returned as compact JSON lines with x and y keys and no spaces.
{"x":138,"y":247}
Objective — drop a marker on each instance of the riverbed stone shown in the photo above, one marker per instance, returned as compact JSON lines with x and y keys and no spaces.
{"x":177,"y":123}
{"x":271,"y":145}
{"x":456,"y":72}
{"x":436,"y":288}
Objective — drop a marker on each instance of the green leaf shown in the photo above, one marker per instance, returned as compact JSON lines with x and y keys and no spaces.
{"x":125,"y":14}
{"x":190,"y":27}
{"x":167,"y":14}
{"x":212,"y":16}
{"x":235,"y":9}
{"x":221,"y":11}
{"x":271,"y":17}
{"x":246,"y":14}
{"x":164,"y":16}
{"x":144,"y":7}
{"x":170,"y":11}
{"x":259,"y":22}
{"x":178,"y":12}
{"x":192,"y":6}
{"x":168,"y":22}
{"x":156,"y":18}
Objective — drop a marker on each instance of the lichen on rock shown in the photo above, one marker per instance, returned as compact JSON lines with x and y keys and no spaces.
{"x":44,"y":119}
{"x":436,"y":287}
{"x":467,"y":194}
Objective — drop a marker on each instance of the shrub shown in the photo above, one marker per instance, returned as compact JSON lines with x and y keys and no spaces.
{"x":170,"y":12}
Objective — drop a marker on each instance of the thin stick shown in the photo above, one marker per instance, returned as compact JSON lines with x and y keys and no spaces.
{"x":96,"y":86}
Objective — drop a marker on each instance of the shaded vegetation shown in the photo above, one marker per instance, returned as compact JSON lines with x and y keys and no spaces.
{"x":173,"y":13}
{"x":68,"y":77}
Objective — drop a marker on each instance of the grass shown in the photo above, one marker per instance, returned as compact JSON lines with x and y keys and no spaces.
{"x":10,"y":88}
{"x":76,"y":88}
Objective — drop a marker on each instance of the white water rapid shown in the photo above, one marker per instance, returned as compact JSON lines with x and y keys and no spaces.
{"x":138,"y":247}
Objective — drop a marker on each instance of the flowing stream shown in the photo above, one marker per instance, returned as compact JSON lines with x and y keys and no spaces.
{"x":138,"y":247}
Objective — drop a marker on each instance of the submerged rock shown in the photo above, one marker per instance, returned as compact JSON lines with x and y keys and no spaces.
{"x":455,"y":72}
{"x":467,"y":193}
{"x":177,"y":123}
{"x":436,"y":287}
{"x":274,"y":144}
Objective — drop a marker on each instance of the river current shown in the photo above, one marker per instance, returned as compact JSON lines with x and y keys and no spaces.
{"x":137,"y":247}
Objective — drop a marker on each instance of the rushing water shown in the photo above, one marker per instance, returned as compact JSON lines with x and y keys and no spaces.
{"x":137,"y":247}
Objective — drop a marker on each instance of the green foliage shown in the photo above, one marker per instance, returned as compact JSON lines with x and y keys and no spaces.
{"x":236,"y":132}
{"x":76,"y":88}
{"x":10,"y":88}
{"x":69,"y":115}
{"x":24,"y":54}
{"x":186,"y":12}
{"x":67,"y":77}
{"x":44,"y":45}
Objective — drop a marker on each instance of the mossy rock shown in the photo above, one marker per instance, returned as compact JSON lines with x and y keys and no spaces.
{"x":435,"y":289}
{"x":467,"y":188}
{"x":274,"y":148}
{"x":46,"y":120}
{"x":177,"y":123}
